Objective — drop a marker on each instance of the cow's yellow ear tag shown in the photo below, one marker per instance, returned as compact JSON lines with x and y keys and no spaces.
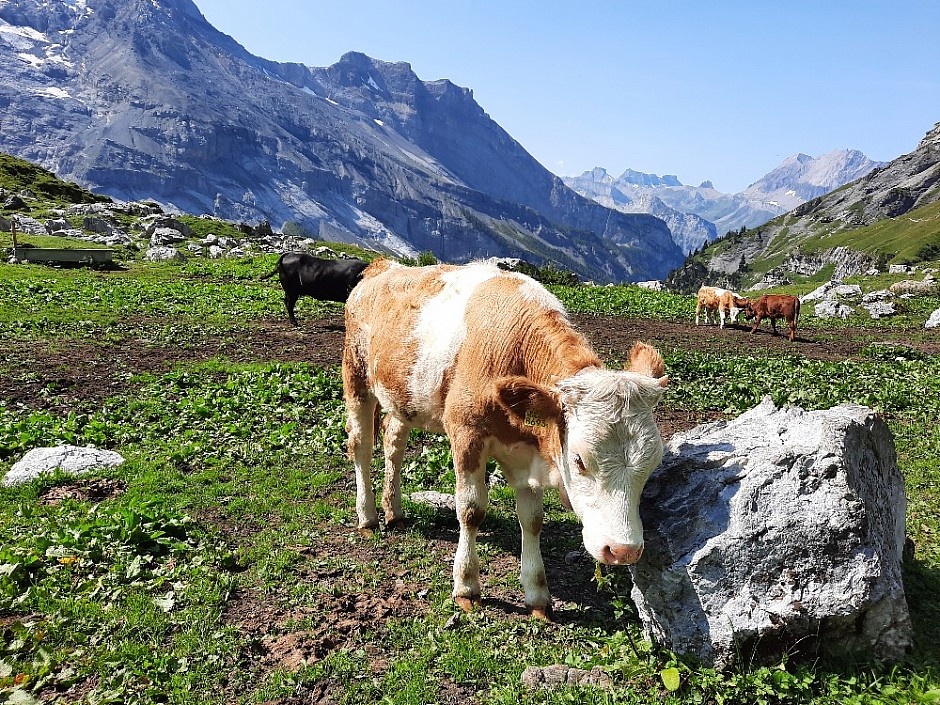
{"x":533,"y":419}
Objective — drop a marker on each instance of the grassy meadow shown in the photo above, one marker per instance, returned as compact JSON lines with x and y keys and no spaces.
{"x":220,"y":562}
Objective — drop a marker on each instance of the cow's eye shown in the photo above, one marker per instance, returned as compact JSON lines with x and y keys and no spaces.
{"x":579,"y":463}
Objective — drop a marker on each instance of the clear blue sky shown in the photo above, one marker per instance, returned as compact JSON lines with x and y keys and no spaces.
{"x":719,"y":90}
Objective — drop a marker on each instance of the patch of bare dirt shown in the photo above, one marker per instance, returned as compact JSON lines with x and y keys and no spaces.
{"x":62,"y":375}
{"x":91,"y":490}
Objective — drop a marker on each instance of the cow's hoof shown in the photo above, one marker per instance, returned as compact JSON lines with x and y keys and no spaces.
{"x":544,"y":613}
{"x":367,"y":531}
{"x":398,"y":524}
{"x":468,"y":604}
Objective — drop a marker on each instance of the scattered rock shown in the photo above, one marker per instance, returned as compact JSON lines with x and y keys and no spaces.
{"x":878,"y":295}
{"x":879,"y":309}
{"x":780,"y":531}
{"x":437,"y":500}
{"x":934,"y":320}
{"x":558,"y":676}
{"x":830,"y":308}
{"x":73,"y":460}
{"x":164,"y":254}
{"x":652,"y":285}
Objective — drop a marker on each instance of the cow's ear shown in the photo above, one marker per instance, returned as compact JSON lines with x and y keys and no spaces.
{"x":646,"y":360}
{"x":529,"y":403}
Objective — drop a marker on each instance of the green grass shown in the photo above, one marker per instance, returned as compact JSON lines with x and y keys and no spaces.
{"x":17,"y":175}
{"x":907,"y":239}
{"x":238,"y":487}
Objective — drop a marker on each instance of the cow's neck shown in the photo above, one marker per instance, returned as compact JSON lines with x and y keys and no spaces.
{"x":557,"y":352}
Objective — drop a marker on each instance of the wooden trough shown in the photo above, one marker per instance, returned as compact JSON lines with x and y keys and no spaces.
{"x":63,"y":255}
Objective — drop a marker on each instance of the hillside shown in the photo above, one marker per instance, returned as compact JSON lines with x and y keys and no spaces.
{"x":886,"y":217}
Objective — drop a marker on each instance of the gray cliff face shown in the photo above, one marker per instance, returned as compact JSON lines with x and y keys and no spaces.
{"x":144,"y":99}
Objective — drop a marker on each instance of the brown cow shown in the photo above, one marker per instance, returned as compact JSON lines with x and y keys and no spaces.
{"x":489,"y":358}
{"x":774,"y":306}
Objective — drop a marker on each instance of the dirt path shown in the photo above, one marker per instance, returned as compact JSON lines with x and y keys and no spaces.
{"x":55,"y":376}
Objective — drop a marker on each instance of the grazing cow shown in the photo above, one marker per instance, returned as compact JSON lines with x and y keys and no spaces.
{"x":725,"y":302}
{"x":774,"y":306}
{"x":489,"y":358}
{"x":324,"y":279}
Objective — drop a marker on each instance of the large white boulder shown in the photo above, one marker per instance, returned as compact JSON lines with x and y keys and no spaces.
{"x":779,"y":531}
{"x":74,"y":460}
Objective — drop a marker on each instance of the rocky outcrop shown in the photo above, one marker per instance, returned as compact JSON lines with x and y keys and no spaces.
{"x":779,"y":531}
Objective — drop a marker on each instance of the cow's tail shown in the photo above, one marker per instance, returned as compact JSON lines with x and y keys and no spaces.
{"x":270,"y":274}
{"x":796,"y":312}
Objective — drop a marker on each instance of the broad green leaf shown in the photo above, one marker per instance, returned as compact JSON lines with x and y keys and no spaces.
{"x":670,"y":678}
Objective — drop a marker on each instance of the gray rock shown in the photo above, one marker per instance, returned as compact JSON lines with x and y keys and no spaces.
{"x":900,"y":269}
{"x":879,"y":309}
{"x":165,"y":236}
{"x":170,"y":223}
{"x":781,"y":530}
{"x":73,"y":460}
{"x":847,"y":290}
{"x":55,"y":225}
{"x":215,"y":252}
{"x":97,"y":224}
{"x":934,"y":320}
{"x":830,"y":308}
{"x":164,"y":254}
{"x":437,"y":500}
{"x":878,"y":295}
{"x":559,"y":676}
{"x":25,"y":225}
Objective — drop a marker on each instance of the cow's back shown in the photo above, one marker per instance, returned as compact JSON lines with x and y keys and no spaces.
{"x":416,"y":331}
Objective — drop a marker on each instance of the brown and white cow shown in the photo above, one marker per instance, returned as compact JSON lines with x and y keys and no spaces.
{"x":489,"y":358}
{"x":725,"y":302}
{"x":774,"y":306}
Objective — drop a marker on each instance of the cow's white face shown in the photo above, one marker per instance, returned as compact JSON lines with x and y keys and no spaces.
{"x":610,"y":448}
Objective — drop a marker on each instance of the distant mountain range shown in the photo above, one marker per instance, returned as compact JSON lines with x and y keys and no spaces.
{"x":891,"y":215}
{"x":697,"y":215}
{"x":144,"y":99}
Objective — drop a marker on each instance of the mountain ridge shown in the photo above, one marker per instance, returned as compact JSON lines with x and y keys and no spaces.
{"x":794,"y":181}
{"x":830,"y":230}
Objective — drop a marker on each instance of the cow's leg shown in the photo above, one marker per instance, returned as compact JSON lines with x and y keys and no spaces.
{"x":698,"y":309}
{"x":757,"y":321}
{"x":773,"y":325}
{"x":394,"y":438}
{"x":792,"y":325}
{"x":531,"y":570}
{"x":290,"y":300}
{"x":360,"y":424}
{"x":472,"y":499}
{"x":721,"y":317}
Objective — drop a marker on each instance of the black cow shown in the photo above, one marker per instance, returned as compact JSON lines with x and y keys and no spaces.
{"x":324,"y":279}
